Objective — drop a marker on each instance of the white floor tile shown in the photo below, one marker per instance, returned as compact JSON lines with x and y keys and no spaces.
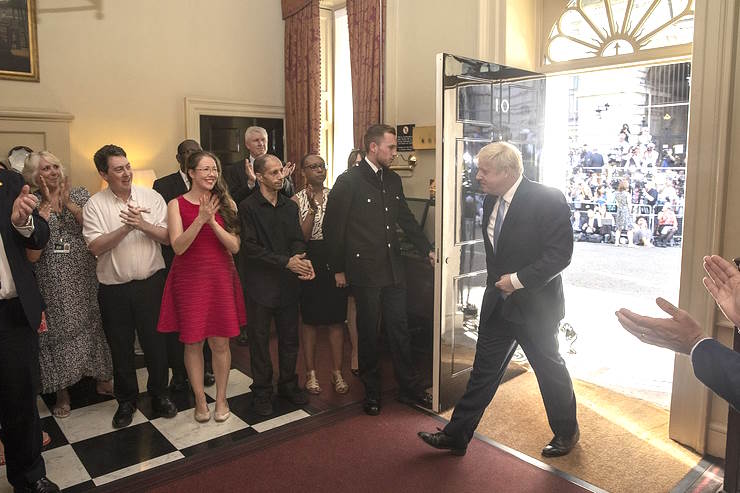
{"x":183,"y":431}
{"x":63,"y":467}
{"x":43,"y":409}
{"x":137,"y":468}
{"x":238,"y":384}
{"x":91,"y":421}
{"x":281,"y":420}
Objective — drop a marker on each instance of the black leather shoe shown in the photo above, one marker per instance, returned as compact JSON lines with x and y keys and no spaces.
{"x":208,"y":378}
{"x":263,"y":405}
{"x":443,"y":441}
{"x":179,"y":383}
{"x":242,"y":339}
{"x":295,"y":395}
{"x":164,"y":407}
{"x":423,"y":399}
{"x":561,"y":445}
{"x":124,"y":415}
{"x":371,"y":406}
{"x":43,"y":485}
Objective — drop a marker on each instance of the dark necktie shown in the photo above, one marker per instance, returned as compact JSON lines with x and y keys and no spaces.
{"x":498,"y":223}
{"x":380,"y":175}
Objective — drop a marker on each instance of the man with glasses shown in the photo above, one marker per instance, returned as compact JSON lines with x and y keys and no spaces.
{"x":124,"y":226}
{"x":171,"y":187}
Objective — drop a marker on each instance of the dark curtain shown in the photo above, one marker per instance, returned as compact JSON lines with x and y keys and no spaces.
{"x":366,"y":20}
{"x":302,"y":80}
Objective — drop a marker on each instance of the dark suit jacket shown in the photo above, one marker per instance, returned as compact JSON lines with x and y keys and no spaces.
{"x":169,"y":187}
{"x":270,"y":235}
{"x":360,"y":227}
{"x":15,"y":248}
{"x":718,"y":367}
{"x":536,"y":242}
{"x":238,"y":183}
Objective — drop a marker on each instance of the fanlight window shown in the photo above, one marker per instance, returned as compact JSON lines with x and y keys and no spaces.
{"x":600,"y":28}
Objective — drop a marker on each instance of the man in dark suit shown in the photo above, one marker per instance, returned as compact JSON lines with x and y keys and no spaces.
{"x":20,"y":319}
{"x":528,"y":241}
{"x":240,"y":176}
{"x":171,"y":187}
{"x":715,"y":365}
{"x":362,"y":211}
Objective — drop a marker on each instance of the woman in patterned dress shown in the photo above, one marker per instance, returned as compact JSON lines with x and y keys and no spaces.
{"x":623,"y":217}
{"x":74,"y":345}
{"x":323,"y":304}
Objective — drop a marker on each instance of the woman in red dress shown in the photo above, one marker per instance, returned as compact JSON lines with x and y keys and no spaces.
{"x":203,"y":297}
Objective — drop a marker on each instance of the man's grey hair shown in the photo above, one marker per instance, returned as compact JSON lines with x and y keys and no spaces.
{"x":255,"y":130}
{"x":503,"y":156}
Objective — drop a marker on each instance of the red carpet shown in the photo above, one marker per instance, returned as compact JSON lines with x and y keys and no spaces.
{"x":362,"y":454}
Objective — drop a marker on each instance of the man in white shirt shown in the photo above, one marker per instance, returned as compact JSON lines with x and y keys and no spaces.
{"x":124,"y":226}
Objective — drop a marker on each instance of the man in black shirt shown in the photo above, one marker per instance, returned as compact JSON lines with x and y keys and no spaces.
{"x":272,"y":261}
{"x":362,"y":211}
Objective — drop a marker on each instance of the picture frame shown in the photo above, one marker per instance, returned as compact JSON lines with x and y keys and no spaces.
{"x":18,"y":43}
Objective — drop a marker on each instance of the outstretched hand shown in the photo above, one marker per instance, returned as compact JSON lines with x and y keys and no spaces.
{"x":678,"y":333}
{"x":23,"y":207}
{"x":723,"y":284}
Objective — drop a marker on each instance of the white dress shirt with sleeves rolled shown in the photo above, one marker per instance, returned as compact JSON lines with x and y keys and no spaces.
{"x":137,"y":256}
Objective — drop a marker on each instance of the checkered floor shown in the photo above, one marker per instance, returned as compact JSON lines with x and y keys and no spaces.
{"x":86,"y":451}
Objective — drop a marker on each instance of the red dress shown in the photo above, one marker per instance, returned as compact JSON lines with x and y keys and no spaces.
{"x":203,"y":296}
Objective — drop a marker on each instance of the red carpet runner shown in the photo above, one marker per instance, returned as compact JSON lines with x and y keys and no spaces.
{"x":371,"y":454}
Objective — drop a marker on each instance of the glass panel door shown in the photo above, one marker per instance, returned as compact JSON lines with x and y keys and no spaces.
{"x":477,"y":103}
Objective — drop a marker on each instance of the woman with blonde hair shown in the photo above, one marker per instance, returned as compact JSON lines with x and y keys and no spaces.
{"x":203,"y":296}
{"x":74,"y":345}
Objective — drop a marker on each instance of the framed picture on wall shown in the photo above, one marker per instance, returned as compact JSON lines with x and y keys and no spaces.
{"x":18,"y":47}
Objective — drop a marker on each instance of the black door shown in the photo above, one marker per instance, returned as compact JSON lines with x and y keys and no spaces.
{"x":224,"y":136}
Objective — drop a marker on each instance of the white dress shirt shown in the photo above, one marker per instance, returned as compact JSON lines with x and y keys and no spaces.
{"x":7,"y":284}
{"x":185,"y":179}
{"x":374,"y":168}
{"x":137,"y":256}
{"x":507,"y":197}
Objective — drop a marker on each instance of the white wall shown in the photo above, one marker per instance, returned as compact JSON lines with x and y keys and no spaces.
{"x":124,"y":75}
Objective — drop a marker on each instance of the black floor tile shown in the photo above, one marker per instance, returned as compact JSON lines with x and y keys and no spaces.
{"x":237,"y":436}
{"x":243,"y":407}
{"x":80,"y":488}
{"x":81,"y":394}
{"x":113,"y":451}
{"x":50,"y":426}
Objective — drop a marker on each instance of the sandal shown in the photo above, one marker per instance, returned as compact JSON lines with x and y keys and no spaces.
{"x":45,"y":439}
{"x":312,"y":383}
{"x":61,"y":411}
{"x":2,"y":454}
{"x":104,"y":387}
{"x":340,"y":386}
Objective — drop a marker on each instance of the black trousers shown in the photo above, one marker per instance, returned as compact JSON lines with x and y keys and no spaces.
{"x":390,"y":301}
{"x":129,"y":307}
{"x":259,"y":318}
{"x":497,"y":341}
{"x":19,"y":385}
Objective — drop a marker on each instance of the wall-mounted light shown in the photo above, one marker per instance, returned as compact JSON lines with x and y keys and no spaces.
{"x":667,"y":116}
{"x":410,"y":162}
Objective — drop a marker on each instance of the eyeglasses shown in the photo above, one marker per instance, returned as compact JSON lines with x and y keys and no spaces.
{"x":207,"y":171}
{"x":314,"y":167}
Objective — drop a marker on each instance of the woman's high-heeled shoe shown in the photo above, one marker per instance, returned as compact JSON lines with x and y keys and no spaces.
{"x":220,"y":418}
{"x":312,"y":383}
{"x":340,"y":386}
{"x":202,"y":417}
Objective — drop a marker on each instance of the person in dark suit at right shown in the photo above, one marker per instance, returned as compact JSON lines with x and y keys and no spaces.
{"x":21,"y":307}
{"x":170,"y":187}
{"x":715,"y":365}
{"x":529,"y":242}
{"x":362,"y":211}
